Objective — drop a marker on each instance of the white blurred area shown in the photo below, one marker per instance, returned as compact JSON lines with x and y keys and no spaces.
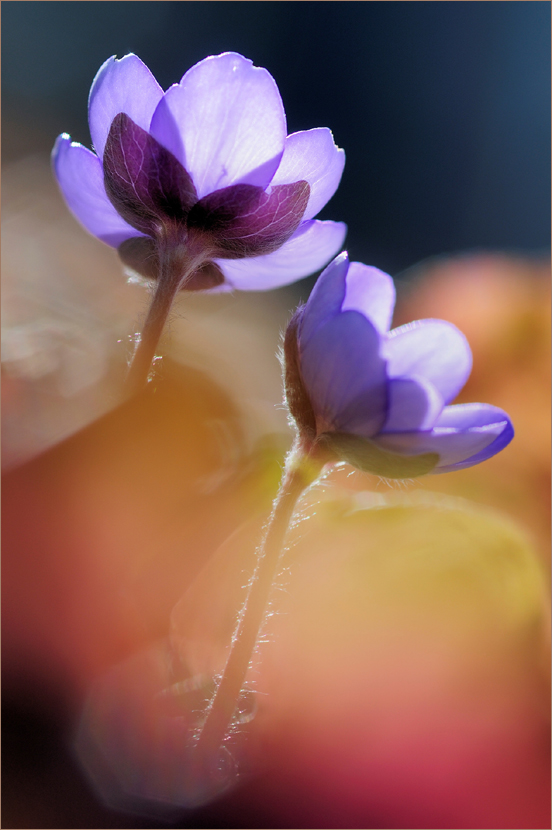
{"x":69,"y":314}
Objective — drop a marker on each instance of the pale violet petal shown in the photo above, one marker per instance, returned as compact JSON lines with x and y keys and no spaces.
{"x":475,"y":415}
{"x":326,"y":298}
{"x":312,"y":156}
{"x":453,"y":446}
{"x":80,"y":176}
{"x":413,"y":404}
{"x":308,"y":250}
{"x":501,"y":441}
{"x":431,"y":349}
{"x":344,"y":375}
{"x":121,"y":85}
{"x":224,"y":122}
{"x":463,"y":416}
{"x":372,"y":292}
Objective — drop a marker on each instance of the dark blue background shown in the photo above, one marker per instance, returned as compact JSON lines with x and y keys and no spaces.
{"x":443,"y":108}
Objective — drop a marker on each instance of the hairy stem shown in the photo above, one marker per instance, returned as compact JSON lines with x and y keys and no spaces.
{"x":300,"y":471}
{"x":172,"y":276}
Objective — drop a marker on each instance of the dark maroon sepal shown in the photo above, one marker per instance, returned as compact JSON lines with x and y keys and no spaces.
{"x":145,"y":183}
{"x":141,"y":254}
{"x":244,"y":221}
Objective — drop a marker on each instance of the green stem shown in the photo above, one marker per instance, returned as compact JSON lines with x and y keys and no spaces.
{"x":300,"y":471}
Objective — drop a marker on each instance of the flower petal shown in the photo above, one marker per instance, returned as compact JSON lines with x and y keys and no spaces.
{"x":432,"y":349}
{"x":308,"y":250}
{"x":480,"y":415}
{"x":413,"y":404}
{"x":244,"y":221}
{"x":224,"y":122}
{"x":501,"y":441}
{"x":457,"y":446}
{"x":464,"y":416}
{"x":344,"y":375}
{"x":312,"y":156}
{"x":80,"y":176}
{"x":372,"y":292}
{"x":326,"y":298}
{"x":124,"y":85}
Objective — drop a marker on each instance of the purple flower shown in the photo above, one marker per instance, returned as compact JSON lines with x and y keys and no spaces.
{"x":379,"y":398}
{"x":201,"y":181}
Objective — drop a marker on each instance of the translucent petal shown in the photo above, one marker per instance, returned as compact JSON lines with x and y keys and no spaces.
{"x":414,"y":404}
{"x":308,"y":250}
{"x":312,"y":156}
{"x":372,"y":292}
{"x":431,"y":349}
{"x":326,"y":297}
{"x":344,"y":375}
{"x":124,"y":85}
{"x":224,"y":122}
{"x":454,"y":446}
{"x":501,"y":441}
{"x":466,"y":416}
{"x":463,"y":416}
{"x":80,"y":176}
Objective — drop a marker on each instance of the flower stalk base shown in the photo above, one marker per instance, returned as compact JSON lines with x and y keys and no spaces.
{"x":174,"y":273}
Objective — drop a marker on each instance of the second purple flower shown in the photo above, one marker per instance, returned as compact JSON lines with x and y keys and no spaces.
{"x":376,"y":398}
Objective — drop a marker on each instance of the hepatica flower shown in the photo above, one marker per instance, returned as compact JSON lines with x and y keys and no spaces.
{"x":378,"y":398}
{"x":200,"y":185}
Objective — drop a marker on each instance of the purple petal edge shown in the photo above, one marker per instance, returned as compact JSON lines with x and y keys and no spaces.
{"x":79,"y":174}
{"x":500,"y":442}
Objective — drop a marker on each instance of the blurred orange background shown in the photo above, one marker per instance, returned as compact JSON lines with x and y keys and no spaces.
{"x":424,"y":704}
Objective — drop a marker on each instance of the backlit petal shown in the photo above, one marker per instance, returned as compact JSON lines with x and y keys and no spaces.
{"x":414,"y":404}
{"x":466,"y":416}
{"x":312,"y":156}
{"x":326,"y":298}
{"x":80,"y":176}
{"x":308,"y":250}
{"x":224,"y":122}
{"x":371,"y":292}
{"x":453,"y":446}
{"x":344,"y":375}
{"x":124,"y":85}
{"x":431,"y":349}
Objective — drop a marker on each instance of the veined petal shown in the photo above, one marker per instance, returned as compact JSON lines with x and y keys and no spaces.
{"x":431,"y":349}
{"x":124,"y":85}
{"x":326,"y":298}
{"x":413,"y":404}
{"x":312,"y":156}
{"x":372,"y":292}
{"x":344,"y":375}
{"x":308,"y":250}
{"x":80,"y":176}
{"x":454,"y":446}
{"x":224,"y":122}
